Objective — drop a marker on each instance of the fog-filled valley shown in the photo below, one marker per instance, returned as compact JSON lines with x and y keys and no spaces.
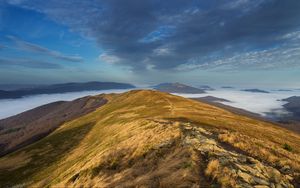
{"x":265,"y":104}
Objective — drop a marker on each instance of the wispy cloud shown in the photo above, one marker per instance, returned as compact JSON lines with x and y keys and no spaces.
{"x":285,"y":55}
{"x":27,"y":46}
{"x":28,"y":63}
{"x":107,"y":58}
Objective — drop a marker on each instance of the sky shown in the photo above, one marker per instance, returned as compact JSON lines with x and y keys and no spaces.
{"x":214,"y":42}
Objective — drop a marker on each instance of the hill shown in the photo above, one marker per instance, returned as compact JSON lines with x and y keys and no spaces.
{"x":255,"y":90}
{"x":63,"y":88}
{"x":293,"y":106}
{"x":178,"y":88}
{"x":25,"y":128}
{"x":148,"y":138}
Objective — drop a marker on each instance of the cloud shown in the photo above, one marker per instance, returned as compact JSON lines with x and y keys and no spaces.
{"x":28,"y":63}
{"x":111,"y":59}
{"x":213,"y":30}
{"x":27,"y":46}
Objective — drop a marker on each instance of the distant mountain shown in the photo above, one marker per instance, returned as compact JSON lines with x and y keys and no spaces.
{"x":178,"y":88}
{"x":205,"y":87}
{"x":255,"y":90}
{"x":212,"y":99}
{"x":146,"y":138}
{"x":293,"y":106}
{"x":63,"y":88}
{"x":227,"y":87}
{"x":284,"y":90}
{"x":10,"y":87}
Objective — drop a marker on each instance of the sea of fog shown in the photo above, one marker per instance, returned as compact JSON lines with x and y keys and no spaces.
{"x":10,"y":107}
{"x":262,"y":103}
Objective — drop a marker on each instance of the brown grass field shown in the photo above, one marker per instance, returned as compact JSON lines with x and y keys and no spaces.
{"x":147,"y":138}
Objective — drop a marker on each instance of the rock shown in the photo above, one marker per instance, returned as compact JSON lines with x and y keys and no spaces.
{"x":243,"y":159}
{"x":272,"y":185}
{"x":246,"y":177}
{"x":278,"y":185}
{"x":244,"y":185}
{"x":286,"y":185}
{"x":251,"y":160}
{"x":201,"y":130}
{"x":260,"y":181}
{"x":189,"y":141}
{"x":286,"y":169}
{"x":211,"y":141}
{"x":290,"y":178}
{"x":251,"y":170}
{"x":261,"y":186}
{"x":274,"y":175}
{"x":241,"y":167}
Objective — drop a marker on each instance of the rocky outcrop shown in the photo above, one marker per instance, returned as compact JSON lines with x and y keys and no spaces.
{"x":230,"y":167}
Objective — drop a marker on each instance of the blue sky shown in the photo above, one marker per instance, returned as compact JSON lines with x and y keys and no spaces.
{"x":215,"y":42}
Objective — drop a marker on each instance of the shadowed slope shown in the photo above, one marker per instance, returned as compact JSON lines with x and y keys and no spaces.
{"x":154,"y":139}
{"x":25,"y":128}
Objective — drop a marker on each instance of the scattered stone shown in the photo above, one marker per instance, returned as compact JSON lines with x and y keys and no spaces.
{"x":286,"y":169}
{"x":290,"y":178}
{"x":246,"y":177}
{"x":251,"y":160}
{"x":261,"y":186}
{"x":247,"y":171}
{"x":260,"y":181}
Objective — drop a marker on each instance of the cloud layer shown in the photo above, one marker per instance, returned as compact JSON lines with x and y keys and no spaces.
{"x":28,"y":63}
{"x":180,"y":34}
{"x":260,"y":103}
{"x":16,"y":106}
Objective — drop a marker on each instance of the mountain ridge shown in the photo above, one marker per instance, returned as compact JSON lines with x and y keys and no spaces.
{"x":148,"y":138}
{"x":63,"y":88}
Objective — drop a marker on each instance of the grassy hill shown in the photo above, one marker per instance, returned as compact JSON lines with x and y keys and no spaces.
{"x":148,"y":138}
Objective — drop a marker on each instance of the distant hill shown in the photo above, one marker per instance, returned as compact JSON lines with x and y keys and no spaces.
{"x":10,"y":87}
{"x":178,"y":88}
{"x":206,"y":88}
{"x":212,"y":99}
{"x":63,"y":88}
{"x":146,"y":138}
{"x":293,"y":106}
{"x":284,"y":90}
{"x":227,"y":87}
{"x":255,"y":90}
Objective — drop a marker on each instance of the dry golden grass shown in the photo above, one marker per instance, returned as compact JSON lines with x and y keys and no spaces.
{"x":134,"y":141}
{"x":212,"y":168}
{"x":222,"y":174}
{"x":267,"y":151}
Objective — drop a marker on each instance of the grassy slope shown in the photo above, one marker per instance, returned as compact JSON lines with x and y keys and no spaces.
{"x":135,"y":140}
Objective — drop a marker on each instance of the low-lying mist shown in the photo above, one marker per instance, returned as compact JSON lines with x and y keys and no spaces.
{"x":10,"y":107}
{"x":261,"y":103}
